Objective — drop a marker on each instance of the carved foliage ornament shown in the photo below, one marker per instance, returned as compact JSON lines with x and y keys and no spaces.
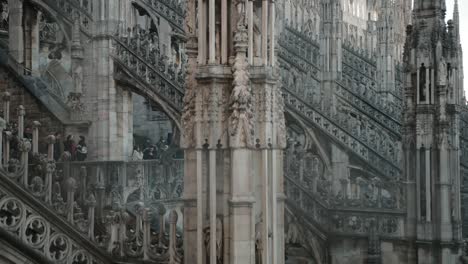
{"x":241,"y":119}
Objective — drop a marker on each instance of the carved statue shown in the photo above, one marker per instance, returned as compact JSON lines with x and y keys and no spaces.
{"x":442,"y":72}
{"x":219,"y":241}
{"x":258,"y":241}
{"x":240,"y":5}
{"x":78,"y":77}
{"x":241,"y":119}
{"x":5,"y":15}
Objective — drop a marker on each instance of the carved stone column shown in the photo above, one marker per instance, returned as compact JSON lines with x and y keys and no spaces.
{"x":103,"y":104}
{"x":224,"y":134}
{"x":91,"y":202}
{"x":6,"y":152}
{"x":16,"y":33}
{"x":35,"y":137}
{"x":6,"y":107}
{"x":31,"y":38}
{"x":74,"y":97}
{"x":21,"y":114}
{"x":70,"y":189}
{"x":25,"y":147}
{"x":50,"y":147}
{"x":50,"y":172}
{"x":173,"y":256}
{"x":2,"y":127}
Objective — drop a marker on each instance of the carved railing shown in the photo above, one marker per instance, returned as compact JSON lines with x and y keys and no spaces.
{"x":155,"y":180}
{"x":359,"y":191}
{"x":299,"y":50}
{"x":37,"y":227}
{"x":172,"y":10}
{"x":69,"y":8}
{"x":387,"y":167}
{"x":344,"y":221}
{"x":388,"y":120}
{"x":137,"y":54}
{"x":373,"y":128}
{"x":102,"y":206}
{"x":363,"y":55}
{"x":359,"y":76}
{"x":307,"y":202}
{"x":363,"y":123}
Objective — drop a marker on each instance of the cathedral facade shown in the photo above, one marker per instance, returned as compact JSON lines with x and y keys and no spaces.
{"x":232,"y":131}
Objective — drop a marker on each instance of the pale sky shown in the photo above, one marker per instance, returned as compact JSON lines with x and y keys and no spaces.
{"x":463,"y":8}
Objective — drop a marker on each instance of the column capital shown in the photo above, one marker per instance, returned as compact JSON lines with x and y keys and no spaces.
{"x":91,"y":201}
{"x":50,"y":167}
{"x":51,"y":139}
{"x":6,"y":96}
{"x":21,"y":110}
{"x":25,"y":145}
{"x":36,"y":124}
{"x":173,"y":217}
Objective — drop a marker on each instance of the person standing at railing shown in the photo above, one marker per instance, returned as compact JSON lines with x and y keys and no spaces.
{"x":57,"y":148}
{"x":81,"y":149}
{"x":149,"y":153}
{"x":70,"y":147}
{"x":137,"y":154}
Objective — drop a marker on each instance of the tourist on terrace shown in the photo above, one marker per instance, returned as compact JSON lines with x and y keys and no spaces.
{"x":70,"y":147}
{"x":149,"y":153}
{"x":137,"y":154}
{"x":81,"y":149}
{"x":57,"y":149}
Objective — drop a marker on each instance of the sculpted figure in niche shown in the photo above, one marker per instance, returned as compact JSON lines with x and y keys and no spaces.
{"x":258,"y":241}
{"x":78,"y":78}
{"x":240,"y":6}
{"x":422,"y":83}
{"x":256,"y":31}
{"x":442,"y":72}
{"x":5,"y":14}
{"x":219,"y":241}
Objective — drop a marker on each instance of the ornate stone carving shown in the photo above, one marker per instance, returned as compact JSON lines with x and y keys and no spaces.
{"x":241,"y":121}
{"x":25,"y":145}
{"x":74,"y":102}
{"x":139,"y":54}
{"x":37,"y":232}
{"x":219,"y":241}
{"x":5,"y":14}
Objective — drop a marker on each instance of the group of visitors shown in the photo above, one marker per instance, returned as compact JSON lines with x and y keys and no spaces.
{"x":71,"y":150}
{"x":150,"y":151}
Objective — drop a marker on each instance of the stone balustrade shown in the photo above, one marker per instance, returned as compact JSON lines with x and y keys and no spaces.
{"x":361,"y":119}
{"x":343,"y":221}
{"x":118,"y":206}
{"x":139,"y":52}
{"x":68,"y":9}
{"x":172,"y":10}
{"x":384,"y":165}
